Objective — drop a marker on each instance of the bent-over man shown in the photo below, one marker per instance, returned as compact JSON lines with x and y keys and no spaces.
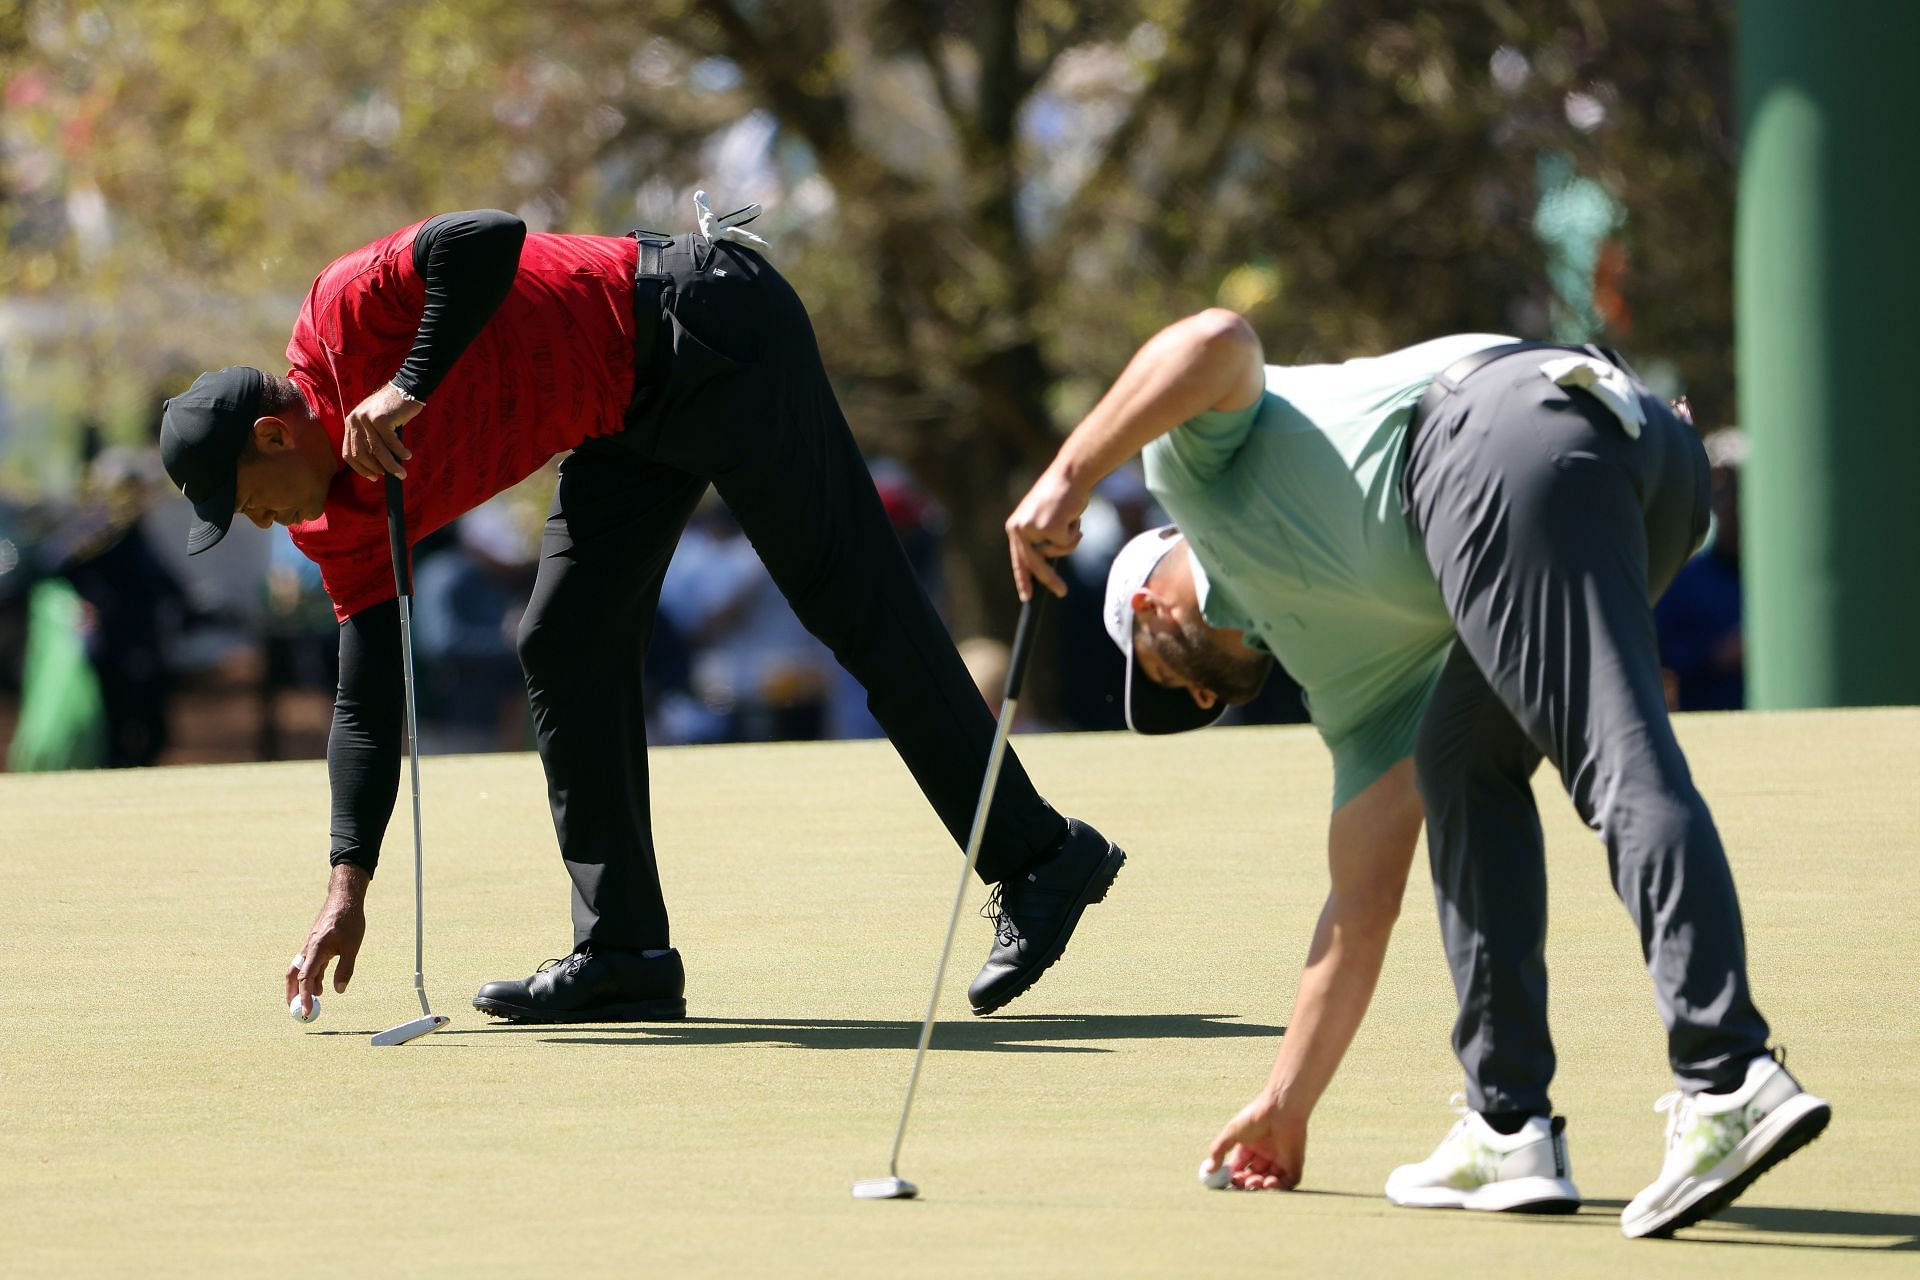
{"x":1454,"y":549}
{"x":664,"y":364}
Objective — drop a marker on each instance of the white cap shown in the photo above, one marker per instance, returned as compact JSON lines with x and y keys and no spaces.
{"x":1150,"y":707}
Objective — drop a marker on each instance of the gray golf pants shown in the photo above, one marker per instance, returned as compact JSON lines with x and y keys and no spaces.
{"x":1551,"y":532}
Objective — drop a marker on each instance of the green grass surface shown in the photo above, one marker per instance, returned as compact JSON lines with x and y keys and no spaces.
{"x":161,"y":1115}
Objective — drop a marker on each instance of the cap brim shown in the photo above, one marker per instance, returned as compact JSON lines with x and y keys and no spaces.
{"x":1155,"y":709}
{"x":216,"y":517}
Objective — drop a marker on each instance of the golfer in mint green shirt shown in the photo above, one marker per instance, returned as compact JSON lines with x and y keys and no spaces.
{"x":1454,"y":549}
{"x":1294,"y":503}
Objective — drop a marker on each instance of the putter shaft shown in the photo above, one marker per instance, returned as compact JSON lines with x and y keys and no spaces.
{"x":1016,"y":671}
{"x":413,"y":760}
{"x":403,"y":588}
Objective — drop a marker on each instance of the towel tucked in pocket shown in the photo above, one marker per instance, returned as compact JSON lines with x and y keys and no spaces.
{"x":1606,"y":383}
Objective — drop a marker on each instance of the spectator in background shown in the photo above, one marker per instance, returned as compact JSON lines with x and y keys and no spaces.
{"x":916,"y":518}
{"x":300,"y":641}
{"x":987,"y":662}
{"x":921,"y":525}
{"x":1702,"y":649}
{"x":132,"y":605}
{"x":755,"y":673}
{"x":470,"y":587}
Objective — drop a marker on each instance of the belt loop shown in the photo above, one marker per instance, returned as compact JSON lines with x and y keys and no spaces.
{"x":652,"y":260}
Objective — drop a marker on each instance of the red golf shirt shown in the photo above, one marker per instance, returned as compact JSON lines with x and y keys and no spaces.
{"x":553,"y":367}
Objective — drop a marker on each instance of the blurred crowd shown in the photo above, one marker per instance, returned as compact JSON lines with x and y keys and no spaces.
{"x":116,"y":650}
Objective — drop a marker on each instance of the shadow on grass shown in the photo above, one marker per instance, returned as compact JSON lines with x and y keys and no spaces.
{"x":371,"y":1032}
{"x":1033,"y":1034}
{"x":1845,"y":1230}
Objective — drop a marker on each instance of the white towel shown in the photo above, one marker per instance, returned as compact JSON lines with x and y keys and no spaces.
{"x":1606,"y":383}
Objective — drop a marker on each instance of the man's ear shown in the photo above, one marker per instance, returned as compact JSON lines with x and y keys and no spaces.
{"x":1143,"y":603}
{"x":272,"y":435}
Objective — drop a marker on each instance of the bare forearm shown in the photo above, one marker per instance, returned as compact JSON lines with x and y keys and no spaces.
{"x":348,"y":883}
{"x":1369,"y":848}
{"x":1343,"y":967}
{"x":1207,"y":361}
{"x":1370,"y":844}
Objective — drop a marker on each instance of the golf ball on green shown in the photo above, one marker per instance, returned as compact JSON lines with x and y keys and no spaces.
{"x":293,"y":1010}
{"x":1218,"y":1177}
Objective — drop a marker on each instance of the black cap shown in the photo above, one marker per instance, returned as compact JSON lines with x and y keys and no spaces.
{"x":202,"y":431}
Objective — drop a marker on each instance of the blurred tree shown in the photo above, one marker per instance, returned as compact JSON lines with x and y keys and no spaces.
{"x":988,"y":204}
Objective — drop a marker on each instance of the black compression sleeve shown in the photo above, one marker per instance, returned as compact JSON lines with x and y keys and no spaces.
{"x":369,"y":726}
{"x":467,"y":261}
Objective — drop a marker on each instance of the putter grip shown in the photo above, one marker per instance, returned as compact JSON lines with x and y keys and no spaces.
{"x":1023,"y":644}
{"x":397,"y":536}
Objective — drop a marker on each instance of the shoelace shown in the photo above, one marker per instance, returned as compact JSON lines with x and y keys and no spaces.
{"x":1677,"y":1106}
{"x":728,"y":226}
{"x":994,"y":910}
{"x":573,"y":962}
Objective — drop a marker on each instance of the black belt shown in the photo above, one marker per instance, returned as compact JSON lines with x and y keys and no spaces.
{"x":1458,"y":372}
{"x":1466,"y":366}
{"x":650,"y":279}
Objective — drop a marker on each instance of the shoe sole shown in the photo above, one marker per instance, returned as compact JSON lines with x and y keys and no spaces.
{"x":636,"y":1011}
{"x":1793,"y":1127}
{"x":1515,"y":1195}
{"x":1093,"y":891}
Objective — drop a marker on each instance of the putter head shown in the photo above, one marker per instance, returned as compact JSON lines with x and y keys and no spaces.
{"x":411,"y":1030}
{"x":884,"y":1189}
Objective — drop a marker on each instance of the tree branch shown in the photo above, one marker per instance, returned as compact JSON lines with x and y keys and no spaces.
{"x":818,"y":113}
{"x":1186,"y":66}
{"x":912,"y":17}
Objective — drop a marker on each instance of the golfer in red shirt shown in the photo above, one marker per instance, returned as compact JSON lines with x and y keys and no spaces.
{"x":664,"y":363}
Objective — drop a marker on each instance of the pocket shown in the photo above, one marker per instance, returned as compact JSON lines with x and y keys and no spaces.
{"x":694,"y":362}
{"x":704,"y":401}
{"x":1577,"y":430}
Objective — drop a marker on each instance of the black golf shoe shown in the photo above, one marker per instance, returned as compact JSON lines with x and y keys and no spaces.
{"x":1034,"y":913}
{"x":593,"y":986}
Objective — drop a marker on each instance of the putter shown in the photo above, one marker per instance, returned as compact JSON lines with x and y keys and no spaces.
{"x":893,"y":1186}
{"x":403,"y":581}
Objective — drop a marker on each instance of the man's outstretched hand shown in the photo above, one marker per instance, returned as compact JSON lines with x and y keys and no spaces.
{"x":336,"y":935}
{"x":372,"y":442}
{"x":1045,"y":525}
{"x":1265,"y":1146}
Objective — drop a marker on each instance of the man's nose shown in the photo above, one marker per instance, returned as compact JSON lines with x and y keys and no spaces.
{"x":1203,"y":698}
{"x":260,"y":521}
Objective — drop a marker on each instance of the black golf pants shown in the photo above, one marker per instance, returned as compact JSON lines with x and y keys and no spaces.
{"x":732,"y":392}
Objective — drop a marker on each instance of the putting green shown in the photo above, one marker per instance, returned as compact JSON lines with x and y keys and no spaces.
{"x":161,"y":1115}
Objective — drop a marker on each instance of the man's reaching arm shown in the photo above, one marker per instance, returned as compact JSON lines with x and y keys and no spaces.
{"x":369,"y":728}
{"x":363,"y":770}
{"x":1211,"y":360}
{"x":1369,"y":849}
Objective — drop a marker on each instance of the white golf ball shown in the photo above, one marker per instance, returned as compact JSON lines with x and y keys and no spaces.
{"x":1218,"y":1178}
{"x":293,"y":1010}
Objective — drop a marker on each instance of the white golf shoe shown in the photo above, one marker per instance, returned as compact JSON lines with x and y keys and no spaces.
{"x":1718,"y":1143}
{"x":1478,"y":1167}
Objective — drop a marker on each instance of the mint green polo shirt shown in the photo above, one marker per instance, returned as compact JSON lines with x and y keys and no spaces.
{"x":1291,"y":509}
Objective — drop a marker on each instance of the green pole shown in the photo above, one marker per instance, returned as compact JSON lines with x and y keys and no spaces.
{"x":1827,"y":302}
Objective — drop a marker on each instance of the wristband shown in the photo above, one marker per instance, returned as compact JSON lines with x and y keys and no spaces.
{"x":405,"y":394}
